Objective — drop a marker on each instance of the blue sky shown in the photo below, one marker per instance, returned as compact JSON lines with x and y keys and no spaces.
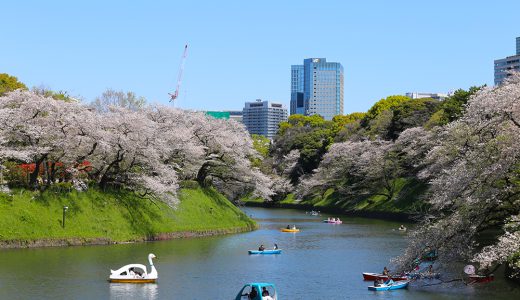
{"x":242,"y":50}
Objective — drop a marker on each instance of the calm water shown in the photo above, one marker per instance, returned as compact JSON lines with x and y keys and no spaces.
{"x":323,"y":261}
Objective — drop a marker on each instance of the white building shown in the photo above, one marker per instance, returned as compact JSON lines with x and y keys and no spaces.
{"x":263,"y":117}
{"x":416,"y":95}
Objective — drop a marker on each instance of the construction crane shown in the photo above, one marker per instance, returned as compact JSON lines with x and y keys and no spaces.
{"x":179,"y":78}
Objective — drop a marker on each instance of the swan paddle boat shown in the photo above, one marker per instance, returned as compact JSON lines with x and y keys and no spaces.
{"x":253,"y":291}
{"x":135,"y":273}
{"x":379,"y":276}
{"x":390,"y":285}
{"x":266,"y":251}
{"x":290,"y":230}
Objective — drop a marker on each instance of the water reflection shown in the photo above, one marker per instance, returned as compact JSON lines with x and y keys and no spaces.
{"x":133,"y":291}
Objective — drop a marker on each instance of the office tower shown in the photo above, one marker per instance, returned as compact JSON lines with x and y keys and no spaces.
{"x":317,"y":88}
{"x":297,"y":104}
{"x":263,"y":117}
{"x":508,"y":64}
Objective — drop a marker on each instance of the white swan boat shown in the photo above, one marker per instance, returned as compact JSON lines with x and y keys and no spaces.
{"x":135,"y":273}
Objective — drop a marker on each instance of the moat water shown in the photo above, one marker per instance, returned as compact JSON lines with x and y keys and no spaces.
{"x":323,"y":261}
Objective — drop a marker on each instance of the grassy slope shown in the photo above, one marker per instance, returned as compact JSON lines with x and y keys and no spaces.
{"x":406,"y":200}
{"x":120,"y":216}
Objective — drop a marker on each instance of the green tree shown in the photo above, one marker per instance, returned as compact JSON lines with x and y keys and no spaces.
{"x":261,"y":144}
{"x":384,"y":104}
{"x":342,"y":120}
{"x":9,"y":83}
{"x":452,"y":107}
{"x":311,"y":135}
{"x":413,"y":113}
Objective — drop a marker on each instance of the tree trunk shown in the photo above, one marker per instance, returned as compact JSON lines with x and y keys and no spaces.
{"x":202,"y":174}
{"x":33,"y":178}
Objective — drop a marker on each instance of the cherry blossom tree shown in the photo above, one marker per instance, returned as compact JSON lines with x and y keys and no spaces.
{"x":147,"y":150}
{"x":473,"y":171}
{"x":354,"y":168}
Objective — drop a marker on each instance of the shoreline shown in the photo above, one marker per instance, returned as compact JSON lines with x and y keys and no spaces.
{"x":78,"y":241}
{"x":382,"y":215}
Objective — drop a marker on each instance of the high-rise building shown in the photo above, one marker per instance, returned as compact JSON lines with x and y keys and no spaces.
{"x":297,"y":104}
{"x":263,"y":117}
{"x":317,"y":88}
{"x":505,"y":65}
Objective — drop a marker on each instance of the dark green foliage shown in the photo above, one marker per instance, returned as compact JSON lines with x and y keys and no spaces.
{"x":452,"y":107}
{"x":413,"y":113}
{"x":387,"y":103}
{"x":311,"y":135}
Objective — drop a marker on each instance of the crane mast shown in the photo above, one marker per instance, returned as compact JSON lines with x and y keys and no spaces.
{"x":179,"y":78}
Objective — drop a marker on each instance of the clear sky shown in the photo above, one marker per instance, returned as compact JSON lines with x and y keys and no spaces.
{"x":243,"y":50}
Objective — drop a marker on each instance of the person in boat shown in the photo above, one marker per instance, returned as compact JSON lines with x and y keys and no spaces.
{"x":386,"y":272}
{"x":402,"y":227}
{"x":430,"y":269}
{"x":275,"y":246}
{"x":253,"y":293}
{"x":288,"y":226}
{"x":131,"y":271}
{"x":294,"y":227}
{"x":261,"y":248}
{"x":265,"y":292}
{"x":338,"y":220}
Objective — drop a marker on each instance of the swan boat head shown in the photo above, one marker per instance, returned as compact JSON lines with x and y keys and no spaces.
{"x":135,"y":273}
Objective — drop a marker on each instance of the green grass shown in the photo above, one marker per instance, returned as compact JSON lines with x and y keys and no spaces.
{"x":118,"y":216}
{"x":289,"y":199}
{"x":407,"y":199}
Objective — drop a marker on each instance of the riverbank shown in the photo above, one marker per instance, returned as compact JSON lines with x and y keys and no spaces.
{"x":390,"y":216}
{"x":31,"y":219}
{"x":405,"y":205}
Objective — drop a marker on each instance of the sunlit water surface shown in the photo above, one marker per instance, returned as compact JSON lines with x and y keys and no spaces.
{"x":323,"y":261}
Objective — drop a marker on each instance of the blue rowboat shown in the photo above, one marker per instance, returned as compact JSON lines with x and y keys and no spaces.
{"x":277,"y":251}
{"x":390,"y":285}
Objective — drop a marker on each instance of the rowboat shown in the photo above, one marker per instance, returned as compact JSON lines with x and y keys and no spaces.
{"x":379,"y":276}
{"x":481,"y":278}
{"x":277,"y":251}
{"x":390,"y":285}
{"x":332,"y":222}
{"x":290,"y":230}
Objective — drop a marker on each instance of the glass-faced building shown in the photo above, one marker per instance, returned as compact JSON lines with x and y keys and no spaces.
{"x":263,"y":117}
{"x":317,"y":88}
{"x":297,"y":103}
{"x":505,"y":65}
